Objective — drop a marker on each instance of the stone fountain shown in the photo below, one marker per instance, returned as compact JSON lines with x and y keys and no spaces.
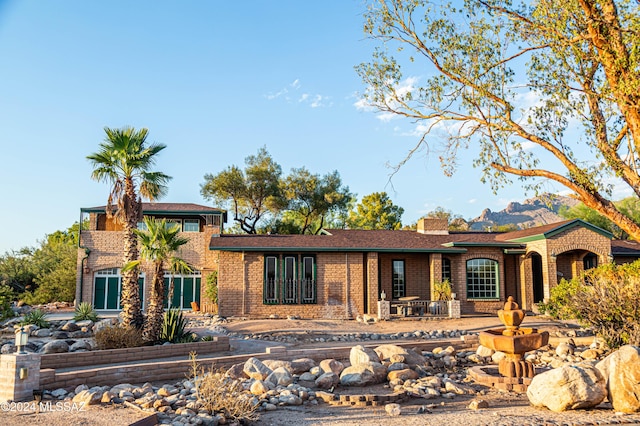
{"x":514,"y":341}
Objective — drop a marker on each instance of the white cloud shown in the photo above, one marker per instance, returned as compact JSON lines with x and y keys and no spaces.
{"x":472,"y":201}
{"x":289,"y":93}
{"x":404,"y":87}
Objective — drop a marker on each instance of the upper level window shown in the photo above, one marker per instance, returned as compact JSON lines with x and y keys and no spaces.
{"x":191,"y":225}
{"x":170,"y":223}
{"x":398,"y":279}
{"x":482,"y":279}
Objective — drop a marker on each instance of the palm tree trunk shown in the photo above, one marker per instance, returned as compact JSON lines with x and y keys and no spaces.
{"x":155,"y":310}
{"x":130,"y":299}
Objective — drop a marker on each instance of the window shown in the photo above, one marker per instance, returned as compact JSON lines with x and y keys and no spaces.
{"x":482,"y":279}
{"x":290,"y":283}
{"x":107,"y":288}
{"x":186,"y":289}
{"x":289,"y":279}
{"x":446,"y":269}
{"x":398,"y":279}
{"x":308,"y":283}
{"x":270,"y":279}
{"x":191,"y":225}
{"x":213,"y":219}
{"x":170,"y":223}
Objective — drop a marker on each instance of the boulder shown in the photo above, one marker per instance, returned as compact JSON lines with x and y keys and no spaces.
{"x":393,"y":409}
{"x":331,"y":366}
{"x":43,"y":332}
{"x":272,"y":364}
{"x":407,"y":374}
{"x":484,"y":351}
{"x":70,"y":326}
{"x":55,"y":347}
{"x":363,"y":374}
{"x":255,"y":369}
{"x":327,"y":380}
{"x":361,"y":355}
{"x":300,"y":365}
{"x":80,"y":345}
{"x":308,"y":377}
{"x":236,"y":371}
{"x":386,"y":352}
{"x":259,"y":387}
{"x":87,"y":397}
{"x":8,"y":348}
{"x":621,"y":371}
{"x":568,"y":387}
{"x":280,"y":377}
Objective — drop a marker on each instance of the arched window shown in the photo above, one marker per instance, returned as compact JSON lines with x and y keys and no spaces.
{"x":482,"y":279}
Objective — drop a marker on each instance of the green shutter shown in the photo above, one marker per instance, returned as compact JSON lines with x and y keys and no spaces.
{"x":100,"y":284}
{"x":113,"y":293}
{"x":187,"y":292}
{"x":198,"y":290}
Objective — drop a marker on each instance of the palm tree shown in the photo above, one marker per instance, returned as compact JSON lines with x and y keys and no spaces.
{"x":157,"y":245}
{"x":124,"y":161}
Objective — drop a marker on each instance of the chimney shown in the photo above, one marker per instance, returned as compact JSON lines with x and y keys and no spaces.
{"x":433,"y":226}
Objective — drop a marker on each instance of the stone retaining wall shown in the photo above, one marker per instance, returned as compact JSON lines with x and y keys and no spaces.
{"x":113,"y":356}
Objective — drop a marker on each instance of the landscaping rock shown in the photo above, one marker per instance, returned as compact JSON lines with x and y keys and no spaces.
{"x":393,"y":409}
{"x":300,"y":365}
{"x":361,"y":355}
{"x":80,"y":345}
{"x":477,"y":404}
{"x":70,"y":326}
{"x":386,"y":352}
{"x":259,"y":387}
{"x":568,"y":388}
{"x":331,"y":365}
{"x":55,"y":347}
{"x":280,"y":377}
{"x":327,"y":380}
{"x":621,"y":371}
{"x":407,"y":374}
{"x":87,"y":397}
{"x":363,"y":374}
{"x":255,"y":369}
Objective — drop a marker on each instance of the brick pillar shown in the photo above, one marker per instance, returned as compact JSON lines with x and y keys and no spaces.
{"x":454,"y":308}
{"x":19,"y":376}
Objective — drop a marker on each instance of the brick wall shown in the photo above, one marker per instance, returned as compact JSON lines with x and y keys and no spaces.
{"x":107,"y":252}
{"x":340,"y":287}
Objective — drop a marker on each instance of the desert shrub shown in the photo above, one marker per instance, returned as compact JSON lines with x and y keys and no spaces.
{"x":607,"y":299}
{"x":559,"y":305}
{"x":6,"y":297}
{"x":174,"y":327}
{"x":85,"y":311}
{"x":36,"y":317}
{"x":207,"y":338}
{"x":116,"y":337}
{"x":442,"y":290}
{"x":219,"y":393}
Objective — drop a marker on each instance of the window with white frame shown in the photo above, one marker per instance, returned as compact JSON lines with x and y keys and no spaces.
{"x":186,"y":289}
{"x":482,"y":279}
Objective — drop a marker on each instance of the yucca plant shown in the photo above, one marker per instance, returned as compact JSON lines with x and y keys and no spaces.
{"x":174,"y":327}
{"x":84,"y":311}
{"x":36,"y":317}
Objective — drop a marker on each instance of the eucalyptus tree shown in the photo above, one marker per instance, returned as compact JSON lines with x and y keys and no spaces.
{"x":124,"y":160}
{"x":159,"y":243}
{"x":546,"y":91}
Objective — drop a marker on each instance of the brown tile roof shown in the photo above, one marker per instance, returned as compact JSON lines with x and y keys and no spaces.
{"x":538,"y":230}
{"x":166,"y":208}
{"x":354,"y":240}
{"x":625,"y":248}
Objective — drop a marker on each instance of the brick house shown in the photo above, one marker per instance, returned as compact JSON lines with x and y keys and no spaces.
{"x":342,"y":273}
{"x":100,"y":254}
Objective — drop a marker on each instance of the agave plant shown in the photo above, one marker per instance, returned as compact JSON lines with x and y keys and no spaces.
{"x":174,"y":327}
{"x":85,"y":311}
{"x":36,"y":317}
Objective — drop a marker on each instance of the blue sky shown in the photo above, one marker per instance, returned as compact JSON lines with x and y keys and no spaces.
{"x":214,"y":81}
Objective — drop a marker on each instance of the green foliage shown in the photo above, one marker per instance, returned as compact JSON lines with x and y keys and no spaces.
{"x":376,"y":211}
{"x":442,"y":290}
{"x":629,"y":206}
{"x":35,"y":317}
{"x":211,"y":289}
{"x":207,"y":338}
{"x":250,"y":193}
{"x":174,"y":327}
{"x":117,"y":337}
{"x":559,"y":305}
{"x":6,"y":298}
{"x":17,"y":270}
{"x":606,"y":298}
{"x":85,"y":311}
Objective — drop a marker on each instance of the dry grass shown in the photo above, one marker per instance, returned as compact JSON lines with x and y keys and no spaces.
{"x":117,"y":337}
{"x":217,"y":392}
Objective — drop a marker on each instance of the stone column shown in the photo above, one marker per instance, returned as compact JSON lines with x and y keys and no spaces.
{"x":384,"y":309}
{"x":19,"y":376}
{"x":454,"y":308}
